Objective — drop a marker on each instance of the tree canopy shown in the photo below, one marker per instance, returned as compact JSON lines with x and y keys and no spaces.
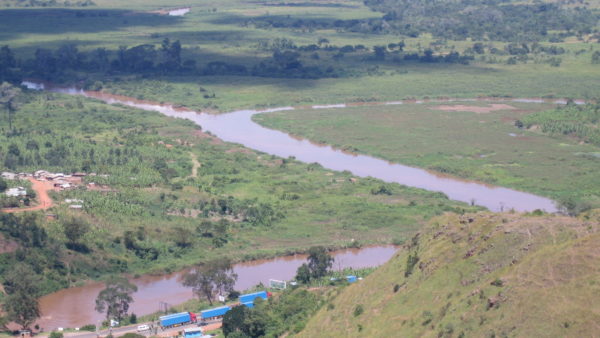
{"x":319,"y":263}
{"x":115,"y":298}
{"x":211,"y":278}
{"x":21,"y":287}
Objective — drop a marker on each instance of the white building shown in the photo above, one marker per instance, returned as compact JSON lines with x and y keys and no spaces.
{"x":8,"y":176}
{"x":16,"y":192}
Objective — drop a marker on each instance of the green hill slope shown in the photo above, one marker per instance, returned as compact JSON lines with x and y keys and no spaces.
{"x":480,"y":275}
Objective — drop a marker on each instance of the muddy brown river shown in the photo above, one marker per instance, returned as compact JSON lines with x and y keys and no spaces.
{"x":74,"y":307}
{"x":238,"y":127}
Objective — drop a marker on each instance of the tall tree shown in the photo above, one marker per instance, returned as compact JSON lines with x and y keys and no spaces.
{"x":75,"y":228}
{"x":319,"y":261}
{"x":9,"y":95}
{"x":115,"y":298}
{"x":21,"y":287}
{"x":7,"y":63}
{"x":211,"y":278}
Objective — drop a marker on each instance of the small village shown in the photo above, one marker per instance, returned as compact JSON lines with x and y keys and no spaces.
{"x":42,"y":182}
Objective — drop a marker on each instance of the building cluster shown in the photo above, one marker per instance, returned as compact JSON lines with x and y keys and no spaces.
{"x":61,"y":181}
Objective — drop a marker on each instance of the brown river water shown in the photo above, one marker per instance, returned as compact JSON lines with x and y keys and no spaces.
{"x":74,"y":307}
{"x":238,"y":127}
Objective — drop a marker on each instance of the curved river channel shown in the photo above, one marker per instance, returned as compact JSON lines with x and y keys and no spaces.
{"x":238,"y":127}
{"x":75,"y":306}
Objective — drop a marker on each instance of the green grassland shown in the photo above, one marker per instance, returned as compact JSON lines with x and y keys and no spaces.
{"x":232,"y":32}
{"x":479,"y":275}
{"x":481,"y":146}
{"x":156,"y":216}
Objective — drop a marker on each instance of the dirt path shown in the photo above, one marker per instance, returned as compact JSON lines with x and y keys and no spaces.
{"x":195,"y":166}
{"x":41,"y":189}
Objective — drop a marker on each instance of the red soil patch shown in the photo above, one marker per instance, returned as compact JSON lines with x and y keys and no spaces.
{"x":240,"y":150}
{"x":44,"y":201}
{"x":475,"y":109}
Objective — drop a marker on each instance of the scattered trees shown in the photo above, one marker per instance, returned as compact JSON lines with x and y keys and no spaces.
{"x":211,"y":278}
{"x":115,"y":298}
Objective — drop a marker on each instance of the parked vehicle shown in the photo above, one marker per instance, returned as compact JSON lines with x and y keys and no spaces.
{"x":250,"y":297}
{"x":214,"y":313}
{"x":177,"y":319}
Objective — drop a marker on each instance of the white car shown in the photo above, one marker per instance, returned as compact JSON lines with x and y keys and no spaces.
{"x":144,"y":327}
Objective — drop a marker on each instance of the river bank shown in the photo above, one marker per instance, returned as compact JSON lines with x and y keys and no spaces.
{"x":74,"y":307}
{"x":238,"y":127}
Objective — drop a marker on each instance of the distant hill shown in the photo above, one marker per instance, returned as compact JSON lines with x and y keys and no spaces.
{"x":479,"y":275}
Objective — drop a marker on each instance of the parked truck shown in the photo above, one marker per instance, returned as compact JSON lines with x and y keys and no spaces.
{"x":215,"y":312}
{"x":176,"y":319}
{"x":250,"y":297}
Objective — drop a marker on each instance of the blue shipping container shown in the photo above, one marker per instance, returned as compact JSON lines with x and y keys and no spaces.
{"x":216,"y":312}
{"x":252,"y":296}
{"x":174,"y":319}
{"x":351,"y":279}
{"x":249,"y":304}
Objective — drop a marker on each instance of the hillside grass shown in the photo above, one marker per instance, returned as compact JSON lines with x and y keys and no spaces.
{"x":485,"y":147}
{"x":478,"y":275}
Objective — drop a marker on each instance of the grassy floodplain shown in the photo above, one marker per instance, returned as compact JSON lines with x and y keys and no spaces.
{"x":156,"y":215}
{"x":481,"y":146}
{"x":233,"y":32}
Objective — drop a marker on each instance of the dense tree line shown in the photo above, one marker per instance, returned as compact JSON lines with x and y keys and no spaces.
{"x":287,"y":60}
{"x":47,"y":3}
{"x":496,"y":20}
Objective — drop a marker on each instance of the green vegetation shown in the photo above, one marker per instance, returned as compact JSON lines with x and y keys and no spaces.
{"x":166,"y":195}
{"x":211,"y":278}
{"x":147,"y":213}
{"x":581,"y":122}
{"x":478,"y":275}
{"x":114,"y":299}
{"x":319,"y":264}
{"x":231,"y":54}
{"x":485,"y":146}
{"x":282,"y":314}
{"x":21,"y":287}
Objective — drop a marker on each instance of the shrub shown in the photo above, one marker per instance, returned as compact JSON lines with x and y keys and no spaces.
{"x":88,"y":327}
{"x":497,"y":282}
{"x":358,"y":310}
{"x":55,"y":334}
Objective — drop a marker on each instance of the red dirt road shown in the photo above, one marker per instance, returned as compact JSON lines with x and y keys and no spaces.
{"x":41,"y":189}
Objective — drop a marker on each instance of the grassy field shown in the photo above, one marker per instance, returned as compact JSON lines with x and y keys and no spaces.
{"x":481,"y":146}
{"x":156,"y":216}
{"x":479,"y":275}
{"x":230,"y":31}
